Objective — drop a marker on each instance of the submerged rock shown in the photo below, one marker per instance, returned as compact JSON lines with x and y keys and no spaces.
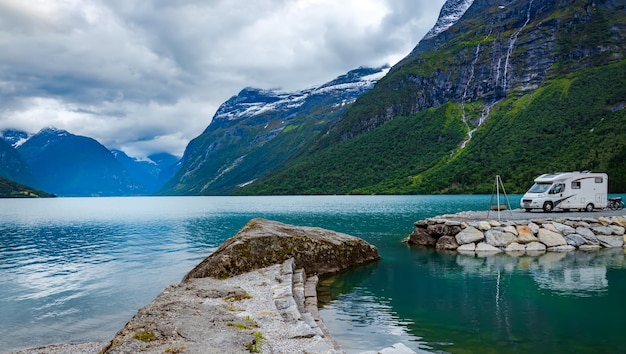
{"x":261,"y":243}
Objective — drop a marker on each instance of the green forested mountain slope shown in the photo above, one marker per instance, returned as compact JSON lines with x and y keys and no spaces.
{"x":258,"y":130}
{"x":540,"y":86}
{"x":10,"y":189}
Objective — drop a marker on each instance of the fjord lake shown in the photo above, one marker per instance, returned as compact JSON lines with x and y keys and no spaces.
{"x":77,"y":269}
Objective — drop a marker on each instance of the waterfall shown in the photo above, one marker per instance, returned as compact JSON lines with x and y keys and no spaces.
{"x":498,"y":66}
{"x":483,"y":118}
{"x":512,"y":40}
{"x":469,"y":80}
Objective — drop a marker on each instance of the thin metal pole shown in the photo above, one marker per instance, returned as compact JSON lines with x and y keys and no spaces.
{"x":498,"y":194}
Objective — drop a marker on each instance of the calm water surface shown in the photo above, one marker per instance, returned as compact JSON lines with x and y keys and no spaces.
{"x":76,"y":269}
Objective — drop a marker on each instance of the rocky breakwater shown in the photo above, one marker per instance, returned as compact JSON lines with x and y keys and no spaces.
{"x":520,"y":236}
{"x":255,"y":293}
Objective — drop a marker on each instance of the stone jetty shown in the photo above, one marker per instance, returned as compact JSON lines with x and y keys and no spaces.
{"x":255,"y":293}
{"x":465,"y":234}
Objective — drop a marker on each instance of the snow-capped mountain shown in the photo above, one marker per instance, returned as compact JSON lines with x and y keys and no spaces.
{"x":251,"y":101}
{"x":255,"y":131}
{"x":450,"y":13}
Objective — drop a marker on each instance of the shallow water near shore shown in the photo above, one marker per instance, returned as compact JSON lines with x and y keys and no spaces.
{"x":76,"y":269}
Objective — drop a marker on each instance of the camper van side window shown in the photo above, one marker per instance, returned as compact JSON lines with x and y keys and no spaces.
{"x":576,"y":185}
{"x":598,"y":179}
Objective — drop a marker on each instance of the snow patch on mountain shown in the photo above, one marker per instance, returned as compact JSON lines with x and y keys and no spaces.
{"x":450,"y":13}
{"x":251,"y":102}
{"x":13,"y":137}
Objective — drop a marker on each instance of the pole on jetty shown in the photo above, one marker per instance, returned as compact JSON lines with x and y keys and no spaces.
{"x":496,"y":192}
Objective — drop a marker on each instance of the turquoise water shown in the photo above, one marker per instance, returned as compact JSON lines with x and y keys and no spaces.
{"x":76,"y":269}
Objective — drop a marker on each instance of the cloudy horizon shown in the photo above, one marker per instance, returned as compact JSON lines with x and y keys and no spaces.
{"x":147,"y":76}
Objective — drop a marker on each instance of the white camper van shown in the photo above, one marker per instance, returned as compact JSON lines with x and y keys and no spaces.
{"x":567,"y":190}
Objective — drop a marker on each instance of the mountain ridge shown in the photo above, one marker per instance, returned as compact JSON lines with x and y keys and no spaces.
{"x":254,"y":132}
{"x":461,"y":81}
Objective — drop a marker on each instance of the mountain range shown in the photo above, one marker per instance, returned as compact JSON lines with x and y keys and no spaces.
{"x":65,"y":164}
{"x":514,"y":88}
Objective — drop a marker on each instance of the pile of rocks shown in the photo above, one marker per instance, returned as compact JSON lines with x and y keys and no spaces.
{"x":520,"y":236}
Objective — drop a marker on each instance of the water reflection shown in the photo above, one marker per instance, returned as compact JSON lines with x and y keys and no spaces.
{"x":566,"y":274}
{"x":450,"y":302}
{"x":359,"y":319}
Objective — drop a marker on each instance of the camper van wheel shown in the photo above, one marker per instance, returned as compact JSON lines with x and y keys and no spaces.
{"x":547,"y":207}
{"x":589,"y":207}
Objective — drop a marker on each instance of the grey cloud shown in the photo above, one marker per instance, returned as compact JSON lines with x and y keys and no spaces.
{"x":119,"y":70}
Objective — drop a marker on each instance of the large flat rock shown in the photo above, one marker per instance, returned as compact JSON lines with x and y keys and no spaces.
{"x":261,"y":243}
{"x":209,"y":315}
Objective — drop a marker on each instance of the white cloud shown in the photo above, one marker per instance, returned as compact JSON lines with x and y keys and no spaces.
{"x":147,"y":76}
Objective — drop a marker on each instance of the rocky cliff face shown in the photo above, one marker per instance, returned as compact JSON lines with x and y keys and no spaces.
{"x":494,"y":50}
{"x":514,"y":88}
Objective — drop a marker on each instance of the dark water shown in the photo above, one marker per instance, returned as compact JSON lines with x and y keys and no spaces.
{"x":74,"y":270}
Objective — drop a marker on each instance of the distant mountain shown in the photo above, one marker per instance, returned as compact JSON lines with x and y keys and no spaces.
{"x":13,"y":137}
{"x":11,"y":189}
{"x":70,"y":165}
{"x":151,"y":173}
{"x":11,"y":164}
{"x":515,"y":88}
{"x":168,"y":165}
{"x":256,"y":131}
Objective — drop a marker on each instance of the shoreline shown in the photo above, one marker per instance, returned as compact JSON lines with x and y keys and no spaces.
{"x":242,"y":306}
{"x":230,"y":310}
{"x":252,"y":294}
{"x":519,"y":232}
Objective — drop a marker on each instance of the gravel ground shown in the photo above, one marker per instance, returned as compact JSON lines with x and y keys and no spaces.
{"x":520,"y":214}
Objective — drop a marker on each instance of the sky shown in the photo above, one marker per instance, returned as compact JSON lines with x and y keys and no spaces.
{"x":147,"y":76}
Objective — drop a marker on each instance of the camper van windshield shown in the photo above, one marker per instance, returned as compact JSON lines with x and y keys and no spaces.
{"x":539,"y":187}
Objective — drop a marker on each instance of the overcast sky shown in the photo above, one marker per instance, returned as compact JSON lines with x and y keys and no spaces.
{"x":147,"y":76}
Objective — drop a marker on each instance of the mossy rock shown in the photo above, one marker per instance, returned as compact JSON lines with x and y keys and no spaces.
{"x":262,"y":243}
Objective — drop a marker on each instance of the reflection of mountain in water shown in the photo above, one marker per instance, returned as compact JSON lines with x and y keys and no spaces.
{"x":569,"y":274}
